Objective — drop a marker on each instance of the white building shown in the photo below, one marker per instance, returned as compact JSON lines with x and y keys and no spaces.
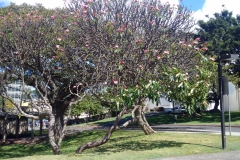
{"x":14,"y":90}
{"x":232,"y":100}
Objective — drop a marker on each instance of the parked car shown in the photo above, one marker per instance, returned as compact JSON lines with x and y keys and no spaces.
{"x":178,"y":110}
{"x":71,"y":121}
{"x":174,"y":110}
{"x":46,"y":123}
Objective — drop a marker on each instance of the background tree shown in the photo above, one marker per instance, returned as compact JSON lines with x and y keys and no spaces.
{"x":221,"y":34}
{"x":89,"y":104}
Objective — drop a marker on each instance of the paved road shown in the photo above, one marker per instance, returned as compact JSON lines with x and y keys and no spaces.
{"x":235,"y":130}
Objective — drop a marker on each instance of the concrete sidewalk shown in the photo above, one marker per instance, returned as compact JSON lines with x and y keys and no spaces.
{"x":231,"y":155}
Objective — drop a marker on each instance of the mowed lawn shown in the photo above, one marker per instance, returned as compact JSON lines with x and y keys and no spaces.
{"x":124,"y":145}
{"x":206,"y":118}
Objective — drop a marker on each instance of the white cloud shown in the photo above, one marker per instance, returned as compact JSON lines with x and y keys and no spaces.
{"x":215,"y":6}
{"x":45,"y":3}
{"x":170,"y":1}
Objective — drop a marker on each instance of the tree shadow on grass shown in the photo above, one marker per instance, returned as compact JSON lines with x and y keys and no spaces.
{"x":17,"y":150}
{"x":143,"y":146}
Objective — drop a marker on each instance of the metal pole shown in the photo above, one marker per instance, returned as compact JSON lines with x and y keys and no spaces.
{"x":221,"y":105}
{"x":229,"y":114}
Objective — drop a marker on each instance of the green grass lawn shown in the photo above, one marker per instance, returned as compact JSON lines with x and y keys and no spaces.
{"x":124,"y":145}
{"x":206,"y":118}
{"x":104,"y":121}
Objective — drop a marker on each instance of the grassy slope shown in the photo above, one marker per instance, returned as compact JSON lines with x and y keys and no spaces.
{"x":125,"y":145}
{"x":206,"y":118}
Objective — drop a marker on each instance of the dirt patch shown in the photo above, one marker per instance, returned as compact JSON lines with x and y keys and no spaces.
{"x":28,"y":140}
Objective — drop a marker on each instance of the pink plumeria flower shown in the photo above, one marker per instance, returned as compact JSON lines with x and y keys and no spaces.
{"x":66,"y":31}
{"x":139,"y":40}
{"x":85,"y":7}
{"x":190,"y":46}
{"x":198,"y":39}
{"x":115,"y":81}
{"x":166,"y":52}
{"x":204,"y":48}
{"x":40,"y":17}
{"x":59,"y":39}
{"x":89,"y":1}
{"x":195,"y":42}
{"x":197,"y":49}
{"x":58,"y":46}
{"x":159,"y":57}
{"x":116,"y":46}
{"x":213,"y":59}
{"x":28,"y":14}
{"x":120,"y":30}
{"x":140,"y":66}
{"x":146,"y":51}
{"x":105,"y":83}
{"x":53,"y":17}
{"x":102,"y":12}
{"x":152,"y":22}
{"x":181,"y":42}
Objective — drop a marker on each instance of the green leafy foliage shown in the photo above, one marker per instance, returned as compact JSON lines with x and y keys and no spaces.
{"x":89,"y":104}
{"x":221,"y":34}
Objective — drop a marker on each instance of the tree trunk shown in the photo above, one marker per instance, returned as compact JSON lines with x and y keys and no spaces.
{"x":4,"y":129}
{"x":32,"y":130}
{"x":41,"y":126}
{"x":51,"y":135}
{"x":57,"y":127}
{"x":59,"y":123}
{"x":142,"y":122}
{"x":216,"y":100}
{"x":17,"y":126}
{"x":105,"y":138}
{"x":216,"y":104}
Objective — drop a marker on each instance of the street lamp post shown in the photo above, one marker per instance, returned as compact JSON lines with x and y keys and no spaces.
{"x":227,"y":57}
{"x":221,"y":104}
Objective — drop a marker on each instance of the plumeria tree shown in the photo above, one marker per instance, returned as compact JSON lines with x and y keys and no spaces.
{"x":137,"y":43}
{"x":38,"y":49}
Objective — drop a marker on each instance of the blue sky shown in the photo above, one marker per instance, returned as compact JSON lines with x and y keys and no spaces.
{"x":200,"y":7}
{"x":193,"y":4}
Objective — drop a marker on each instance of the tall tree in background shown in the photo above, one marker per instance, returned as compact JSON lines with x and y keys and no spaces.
{"x":222,"y":35}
